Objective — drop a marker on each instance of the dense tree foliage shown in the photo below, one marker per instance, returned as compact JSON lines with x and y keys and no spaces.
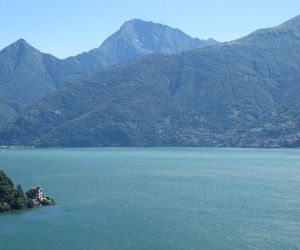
{"x":11,"y":197}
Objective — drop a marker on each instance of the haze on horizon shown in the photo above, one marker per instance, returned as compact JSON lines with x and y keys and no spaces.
{"x":65,"y":28}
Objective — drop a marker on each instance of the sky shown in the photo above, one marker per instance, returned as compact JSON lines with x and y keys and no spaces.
{"x":67,"y":27}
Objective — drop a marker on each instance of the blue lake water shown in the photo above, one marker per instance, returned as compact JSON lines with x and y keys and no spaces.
{"x":163,"y":198}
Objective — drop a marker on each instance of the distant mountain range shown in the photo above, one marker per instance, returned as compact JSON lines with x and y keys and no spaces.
{"x":243,"y":93}
{"x":27,"y":75}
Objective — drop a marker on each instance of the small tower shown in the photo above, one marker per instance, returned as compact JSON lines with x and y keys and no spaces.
{"x":39,"y":191}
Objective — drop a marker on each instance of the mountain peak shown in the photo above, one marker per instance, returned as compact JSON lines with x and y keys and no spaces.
{"x":136,"y":38}
{"x":19,"y":45}
{"x":151,"y":35}
{"x":21,"y":41}
{"x":136,"y":20}
{"x":139,"y":25}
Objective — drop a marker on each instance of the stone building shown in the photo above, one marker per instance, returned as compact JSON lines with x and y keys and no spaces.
{"x":35,"y":193}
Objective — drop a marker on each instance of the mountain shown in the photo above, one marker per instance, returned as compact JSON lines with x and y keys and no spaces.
{"x":27,"y":75}
{"x":135,"y":39}
{"x":243,"y":93}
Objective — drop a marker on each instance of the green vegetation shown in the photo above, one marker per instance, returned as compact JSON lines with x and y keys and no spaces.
{"x":27,"y":75}
{"x":47,"y":201}
{"x":11,"y":197}
{"x":243,"y":93}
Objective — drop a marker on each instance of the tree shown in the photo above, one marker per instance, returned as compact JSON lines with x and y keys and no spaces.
{"x":10,"y":197}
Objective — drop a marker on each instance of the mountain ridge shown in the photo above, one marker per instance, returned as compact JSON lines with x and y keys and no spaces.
{"x":243,"y":93}
{"x":27,"y":74}
{"x":136,"y":38}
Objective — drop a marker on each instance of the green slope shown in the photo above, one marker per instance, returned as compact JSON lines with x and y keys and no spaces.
{"x":239,"y":93}
{"x":27,"y":75}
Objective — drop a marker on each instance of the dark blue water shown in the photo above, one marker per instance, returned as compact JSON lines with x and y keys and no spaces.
{"x":156,"y":199}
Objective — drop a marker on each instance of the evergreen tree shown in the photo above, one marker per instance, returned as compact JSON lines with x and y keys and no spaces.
{"x":10,"y":197}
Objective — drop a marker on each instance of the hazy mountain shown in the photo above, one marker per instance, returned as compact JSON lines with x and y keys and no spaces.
{"x":27,"y":75}
{"x":136,"y":38}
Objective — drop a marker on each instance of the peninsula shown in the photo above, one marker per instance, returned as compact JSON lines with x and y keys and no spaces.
{"x":12,"y":198}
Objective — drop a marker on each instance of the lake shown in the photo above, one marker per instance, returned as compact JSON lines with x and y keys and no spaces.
{"x":156,"y":198}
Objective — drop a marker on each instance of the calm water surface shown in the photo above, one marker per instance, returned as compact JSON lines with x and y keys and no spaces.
{"x":170,"y":198}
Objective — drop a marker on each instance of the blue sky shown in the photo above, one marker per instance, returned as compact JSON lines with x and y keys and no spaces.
{"x":67,"y":27}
